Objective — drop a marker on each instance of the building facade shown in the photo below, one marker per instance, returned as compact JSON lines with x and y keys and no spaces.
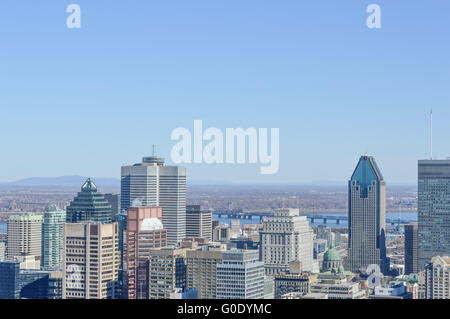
{"x":411,"y":249}
{"x":144,"y":232}
{"x":52,"y":239}
{"x":114,"y":201}
{"x":433,"y":210}
{"x":222,"y":233}
{"x":294,"y":280}
{"x":367,"y":217}
{"x":91,"y":260}
{"x":198,"y":222}
{"x":437,"y":278}
{"x":151,"y":183}
{"x":167,"y":272}
{"x":240,"y":275}
{"x":17,"y":283}
{"x":24,"y":236}
{"x":286,"y":237}
{"x":201,"y":271}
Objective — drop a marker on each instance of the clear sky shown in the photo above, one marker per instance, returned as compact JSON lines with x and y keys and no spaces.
{"x":90,"y":100}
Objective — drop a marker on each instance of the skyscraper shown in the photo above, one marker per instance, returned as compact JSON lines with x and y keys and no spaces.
{"x":411,"y":258}
{"x":433,"y":210}
{"x":52,"y":239}
{"x":89,"y":206}
{"x":286,"y":237}
{"x":367,"y":217}
{"x":24,"y":236}
{"x":144,"y":232}
{"x":240,"y":275}
{"x":151,"y":183}
{"x":198,"y":222}
{"x":91,"y":260}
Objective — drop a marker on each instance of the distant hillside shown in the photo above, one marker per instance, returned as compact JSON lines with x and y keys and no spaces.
{"x":75,"y":181}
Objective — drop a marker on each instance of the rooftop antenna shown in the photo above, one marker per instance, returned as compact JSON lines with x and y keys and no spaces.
{"x":431,"y":134}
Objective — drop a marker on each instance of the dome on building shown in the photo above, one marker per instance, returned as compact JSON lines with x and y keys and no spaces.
{"x":332,"y":261}
{"x":332,"y":255}
{"x":151,"y":224}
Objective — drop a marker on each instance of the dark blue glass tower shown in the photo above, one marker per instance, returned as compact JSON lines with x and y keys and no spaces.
{"x":367,"y":217}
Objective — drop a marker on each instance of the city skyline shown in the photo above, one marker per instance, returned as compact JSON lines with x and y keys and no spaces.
{"x":224,"y":156}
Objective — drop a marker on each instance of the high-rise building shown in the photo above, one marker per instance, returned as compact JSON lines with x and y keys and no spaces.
{"x":167,"y":269}
{"x":286,"y":237}
{"x":198,"y":222}
{"x":18,"y":283}
{"x":240,"y":275}
{"x":9,"y":279}
{"x":367,"y":217}
{"x":52,"y":239}
{"x":114,"y":201}
{"x":411,"y":258}
{"x":201,"y":271}
{"x":91,"y":260}
{"x":151,"y":183}
{"x":433,"y":210}
{"x":89,"y":206}
{"x":437,"y":278}
{"x":144,"y":232}
{"x":24,"y":236}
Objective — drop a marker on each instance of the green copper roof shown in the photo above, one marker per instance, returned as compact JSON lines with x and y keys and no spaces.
{"x":332,"y":255}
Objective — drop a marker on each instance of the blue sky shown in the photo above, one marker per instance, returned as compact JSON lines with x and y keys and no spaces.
{"x":90,"y":100}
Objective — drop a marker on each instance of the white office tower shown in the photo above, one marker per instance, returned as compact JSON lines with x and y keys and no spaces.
{"x":240,"y":275}
{"x":286,"y":237}
{"x":24,"y":237}
{"x":151,"y":183}
{"x":437,"y":278}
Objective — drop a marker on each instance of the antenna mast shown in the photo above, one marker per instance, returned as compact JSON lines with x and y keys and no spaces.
{"x":431,"y":134}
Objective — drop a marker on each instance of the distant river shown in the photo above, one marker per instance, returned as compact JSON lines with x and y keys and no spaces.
{"x":409,"y":216}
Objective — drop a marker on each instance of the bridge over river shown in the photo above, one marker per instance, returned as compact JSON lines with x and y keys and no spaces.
{"x":313,"y":218}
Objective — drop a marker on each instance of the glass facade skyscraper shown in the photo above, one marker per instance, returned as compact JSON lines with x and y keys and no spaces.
{"x":433,"y":210}
{"x":52,"y":239}
{"x":89,"y":206}
{"x":367,"y":217}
